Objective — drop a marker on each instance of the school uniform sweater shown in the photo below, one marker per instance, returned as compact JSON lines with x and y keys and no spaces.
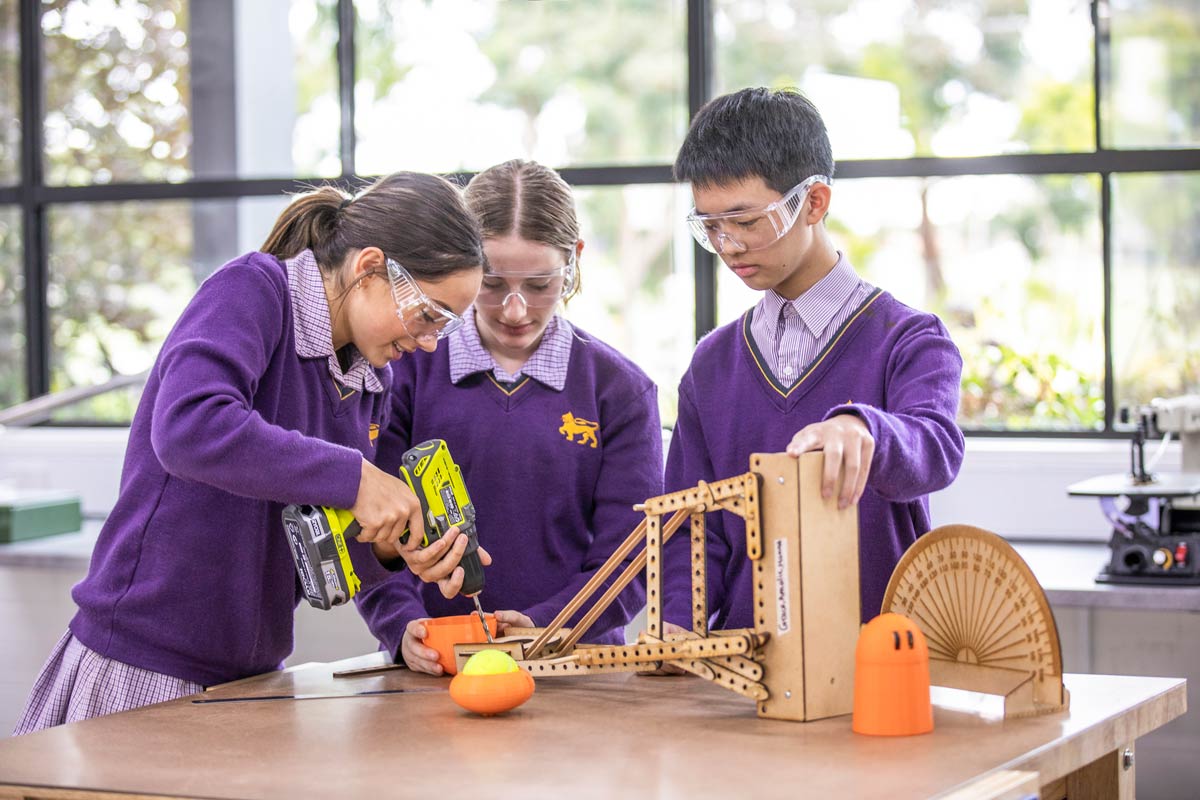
{"x":892,"y":366}
{"x":192,"y":575}
{"x":553,"y":476}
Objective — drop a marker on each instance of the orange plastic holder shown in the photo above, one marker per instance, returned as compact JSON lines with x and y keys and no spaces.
{"x":442,"y":633}
{"x":891,"y":679}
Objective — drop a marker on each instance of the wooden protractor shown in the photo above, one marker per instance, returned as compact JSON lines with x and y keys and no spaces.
{"x":984,"y":615}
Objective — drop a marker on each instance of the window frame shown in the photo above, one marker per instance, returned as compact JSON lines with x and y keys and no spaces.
{"x":34,"y":197}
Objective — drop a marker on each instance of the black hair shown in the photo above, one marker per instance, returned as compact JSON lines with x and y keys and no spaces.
{"x":776,"y":135}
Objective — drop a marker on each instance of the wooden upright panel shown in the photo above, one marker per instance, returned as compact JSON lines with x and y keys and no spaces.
{"x":830,"y":580}
{"x":805,"y":590}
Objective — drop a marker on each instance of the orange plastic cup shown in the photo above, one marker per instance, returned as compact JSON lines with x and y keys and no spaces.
{"x":442,"y":633}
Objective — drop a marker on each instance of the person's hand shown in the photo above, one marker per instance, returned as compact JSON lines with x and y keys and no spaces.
{"x":438,"y":563}
{"x":511,"y":619}
{"x":385,"y":507}
{"x":849,"y":448}
{"x":416,"y":655}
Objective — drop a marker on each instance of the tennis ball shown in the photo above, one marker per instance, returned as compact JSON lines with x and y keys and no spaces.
{"x":490,"y":662}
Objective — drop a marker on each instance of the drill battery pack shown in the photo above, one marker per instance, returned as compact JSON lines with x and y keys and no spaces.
{"x":317,"y":537}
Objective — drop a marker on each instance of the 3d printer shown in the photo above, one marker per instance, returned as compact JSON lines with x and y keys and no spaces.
{"x":1155,"y":517}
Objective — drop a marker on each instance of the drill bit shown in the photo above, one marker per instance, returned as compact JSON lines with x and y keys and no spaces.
{"x":482,"y":619}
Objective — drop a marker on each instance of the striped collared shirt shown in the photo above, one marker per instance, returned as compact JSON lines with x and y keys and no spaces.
{"x":313,"y":329}
{"x":790,"y":333}
{"x":547,"y":365}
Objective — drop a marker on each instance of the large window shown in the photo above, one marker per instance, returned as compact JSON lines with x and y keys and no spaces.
{"x":1029,"y":170}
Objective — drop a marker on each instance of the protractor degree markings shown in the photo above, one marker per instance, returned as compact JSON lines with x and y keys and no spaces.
{"x":989,"y":603}
{"x":944,"y":611}
{"x":933,"y":629}
{"x":965,"y":590}
{"x":933,"y":614}
{"x":1003,"y":643}
{"x":933,"y":634}
{"x":1001,"y":617}
{"x":1021,"y":647}
{"x":979,"y":592}
{"x":951,"y":588}
{"x":935,"y":591}
{"x":968,"y":582}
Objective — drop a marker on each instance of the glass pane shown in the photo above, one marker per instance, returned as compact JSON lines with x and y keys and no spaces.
{"x":900,"y":78}
{"x":1153,"y":100}
{"x":637,"y":283}
{"x":10,"y":94}
{"x":120,"y":274}
{"x":12,"y":309}
{"x":448,"y":85}
{"x":1012,"y":264}
{"x":1156,"y":276}
{"x":168,"y":90}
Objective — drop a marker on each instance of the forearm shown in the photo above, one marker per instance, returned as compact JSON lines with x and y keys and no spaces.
{"x":918,"y":444}
{"x":205,"y":429}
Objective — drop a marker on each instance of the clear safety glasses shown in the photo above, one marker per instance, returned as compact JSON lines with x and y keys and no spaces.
{"x":540,"y":290}
{"x":740,"y":231}
{"x":422,"y":318}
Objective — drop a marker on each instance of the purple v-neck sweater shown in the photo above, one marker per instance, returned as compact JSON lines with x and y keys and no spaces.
{"x":892,"y":366}
{"x":192,"y":576}
{"x":553,"y":493}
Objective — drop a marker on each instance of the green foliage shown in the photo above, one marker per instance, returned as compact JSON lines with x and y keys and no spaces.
{"x":118,"y":99}
{"x":119,"y":276}
{"x":12,"y":317}
{"x":1003,"y":389}
{"x":116,"y":94}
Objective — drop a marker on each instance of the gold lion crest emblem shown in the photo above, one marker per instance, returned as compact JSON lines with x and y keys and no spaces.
{"x":574,"y":426}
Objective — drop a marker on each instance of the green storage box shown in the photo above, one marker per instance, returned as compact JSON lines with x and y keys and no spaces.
{"x":30,"y":513}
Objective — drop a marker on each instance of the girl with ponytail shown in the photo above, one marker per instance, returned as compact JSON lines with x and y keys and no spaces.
{"x":271,"y":389}
{"x":564,"y":427}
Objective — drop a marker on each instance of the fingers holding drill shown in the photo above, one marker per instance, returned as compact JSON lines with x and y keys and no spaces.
{"x":440,"y":562}
{"x":385,"y":508}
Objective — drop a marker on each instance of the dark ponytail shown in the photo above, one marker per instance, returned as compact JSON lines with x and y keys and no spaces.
{"x":418,"y":219}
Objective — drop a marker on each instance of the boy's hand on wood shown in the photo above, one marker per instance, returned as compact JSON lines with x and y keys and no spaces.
{"x":849,"y":448}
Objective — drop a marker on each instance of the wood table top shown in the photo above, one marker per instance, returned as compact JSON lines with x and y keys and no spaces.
{"x":590,"y":736}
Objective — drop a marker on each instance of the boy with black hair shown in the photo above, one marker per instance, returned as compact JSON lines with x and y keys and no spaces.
{"x":824,"y":361}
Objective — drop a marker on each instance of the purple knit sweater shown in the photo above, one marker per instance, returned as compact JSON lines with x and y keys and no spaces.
{"x":892,"y":366}
{"x":192,"y":576}
{"x":551,"y":507}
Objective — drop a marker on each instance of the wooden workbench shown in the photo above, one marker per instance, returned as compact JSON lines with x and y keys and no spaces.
{"x":604,"y":736}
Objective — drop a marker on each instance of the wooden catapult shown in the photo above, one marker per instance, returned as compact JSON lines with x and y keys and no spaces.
{"x":797,"y":662}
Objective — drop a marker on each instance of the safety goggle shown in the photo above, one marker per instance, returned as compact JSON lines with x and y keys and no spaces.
{"x":540,"y":290}
{"x":754,"y":229}
{"x":422,"y":318}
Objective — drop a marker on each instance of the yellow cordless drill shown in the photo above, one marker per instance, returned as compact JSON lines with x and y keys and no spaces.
{"x":318,"y":534}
